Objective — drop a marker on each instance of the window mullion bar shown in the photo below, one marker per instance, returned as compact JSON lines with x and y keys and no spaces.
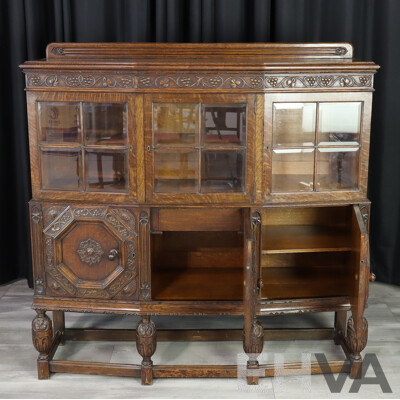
{"x":316,"y":147}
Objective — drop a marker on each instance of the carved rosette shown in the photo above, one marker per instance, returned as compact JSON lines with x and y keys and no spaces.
{"x":42,"y":334}
{"x":146,"y":339}
{"x":357,"y":341}
{"x":90,"y":251}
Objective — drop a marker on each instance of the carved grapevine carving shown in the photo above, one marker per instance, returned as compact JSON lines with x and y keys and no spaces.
{"x":234,"y":81}
{"x":89,"y":212}
{"x":35,"y":214}
{"x":39,"y":286}
{"x":145,"y":290}
{"x":90,"y":251}
{"x":365,"y":214}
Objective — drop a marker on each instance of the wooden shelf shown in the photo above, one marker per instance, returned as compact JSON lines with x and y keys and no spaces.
{"x":304,"y":282}
{"x":304,"y":239}
{"x":197,"y":284}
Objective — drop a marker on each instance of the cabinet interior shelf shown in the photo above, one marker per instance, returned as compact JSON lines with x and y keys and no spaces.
{"x":197,"y":284}
{"x":305,"y":239}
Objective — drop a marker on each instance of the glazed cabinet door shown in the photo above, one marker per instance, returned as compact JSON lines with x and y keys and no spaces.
{"x":88,"y":251}
{"x":316,"y":146}
{"x":199,"y":148}
{"x":82,"y":146}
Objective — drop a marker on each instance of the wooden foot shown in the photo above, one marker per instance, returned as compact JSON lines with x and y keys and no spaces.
{"x":253,"y":347}
{"x":146,"y":343}
{"x":340,"y":326}
{"x":42,"y":337}
{"x":357,"y":335}
{"x":356,"y":369}
{"x":59,"y":325}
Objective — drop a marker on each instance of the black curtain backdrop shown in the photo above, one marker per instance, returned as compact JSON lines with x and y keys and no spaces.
{"x":373,"y":26}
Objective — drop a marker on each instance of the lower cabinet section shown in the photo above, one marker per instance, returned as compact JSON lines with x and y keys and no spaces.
{"x":198,"y":261}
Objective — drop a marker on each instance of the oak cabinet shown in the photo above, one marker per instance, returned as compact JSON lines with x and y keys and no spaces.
{"x":214,"y":179}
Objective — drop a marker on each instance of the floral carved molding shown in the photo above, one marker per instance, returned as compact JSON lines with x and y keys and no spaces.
{"x":234,"y":81}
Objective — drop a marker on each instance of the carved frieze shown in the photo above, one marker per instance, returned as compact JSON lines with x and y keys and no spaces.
{"x":232,"y":81}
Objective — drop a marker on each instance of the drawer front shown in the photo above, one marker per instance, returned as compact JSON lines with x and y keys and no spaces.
{"x":90,"y":252}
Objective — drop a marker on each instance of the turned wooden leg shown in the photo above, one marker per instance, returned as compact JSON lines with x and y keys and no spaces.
{"x":253,"y":347}
{"x":59,"y":325}
{"x":357,"y":335}
{"x":42,"y":337}
{"x":146,"y":343}
{"x":340,"y":325}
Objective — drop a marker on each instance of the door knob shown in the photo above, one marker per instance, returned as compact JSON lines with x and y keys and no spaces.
{"x":113,"y":254}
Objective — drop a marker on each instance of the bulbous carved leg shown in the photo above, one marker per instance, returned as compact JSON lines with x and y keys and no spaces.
{"x":146,"y":343}
{"x":253,"y":347}
{"x":357,"y":335}
{"x":42,"y":337}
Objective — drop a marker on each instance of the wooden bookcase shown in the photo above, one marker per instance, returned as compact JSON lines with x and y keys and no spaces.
{"x":199,"y":179}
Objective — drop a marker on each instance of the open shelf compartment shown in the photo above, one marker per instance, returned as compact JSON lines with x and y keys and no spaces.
{"x":307,"y":252}
{"x":198,"y":264}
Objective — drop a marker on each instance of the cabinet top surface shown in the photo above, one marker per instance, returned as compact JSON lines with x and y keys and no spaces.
{"x":188,"y":56}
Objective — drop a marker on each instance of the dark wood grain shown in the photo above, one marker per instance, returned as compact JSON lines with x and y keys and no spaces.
{"x":249,"y":248}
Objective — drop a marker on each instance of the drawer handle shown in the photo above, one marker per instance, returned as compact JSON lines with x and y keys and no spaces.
{"x":113,"y":254}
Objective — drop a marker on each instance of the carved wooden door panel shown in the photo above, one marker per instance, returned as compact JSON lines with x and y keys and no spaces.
{"x":90,"y":252}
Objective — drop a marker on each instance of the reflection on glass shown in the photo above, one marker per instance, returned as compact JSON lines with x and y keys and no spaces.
{"x":222,"y":171}
{"x":175,"y":124}
{"x":339,"y":122}
{"x":59,"y":122}
{"x":224,"y":124}
{"x":294,"y":124}
{"x":106,"y":171}
{"x":292,"y":170}
{"x":337,"y":168}
{"x":176,"y":171}
{"x":104,"y":123}
{"x":61,"y":169}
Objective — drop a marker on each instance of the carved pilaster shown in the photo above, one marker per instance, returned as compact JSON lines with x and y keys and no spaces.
{"x":144,"y":256}
{"x":146,"y":343}
{"x":37,"y":255}
{"x":42,"y":337}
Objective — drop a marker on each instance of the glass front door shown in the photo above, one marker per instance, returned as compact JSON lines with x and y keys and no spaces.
{"x":83,"y":146}
{"x":199,"y":147}
{"x":314,"y":147}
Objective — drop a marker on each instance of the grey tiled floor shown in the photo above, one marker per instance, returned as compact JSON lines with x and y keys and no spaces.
{"x":18,"y":357}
